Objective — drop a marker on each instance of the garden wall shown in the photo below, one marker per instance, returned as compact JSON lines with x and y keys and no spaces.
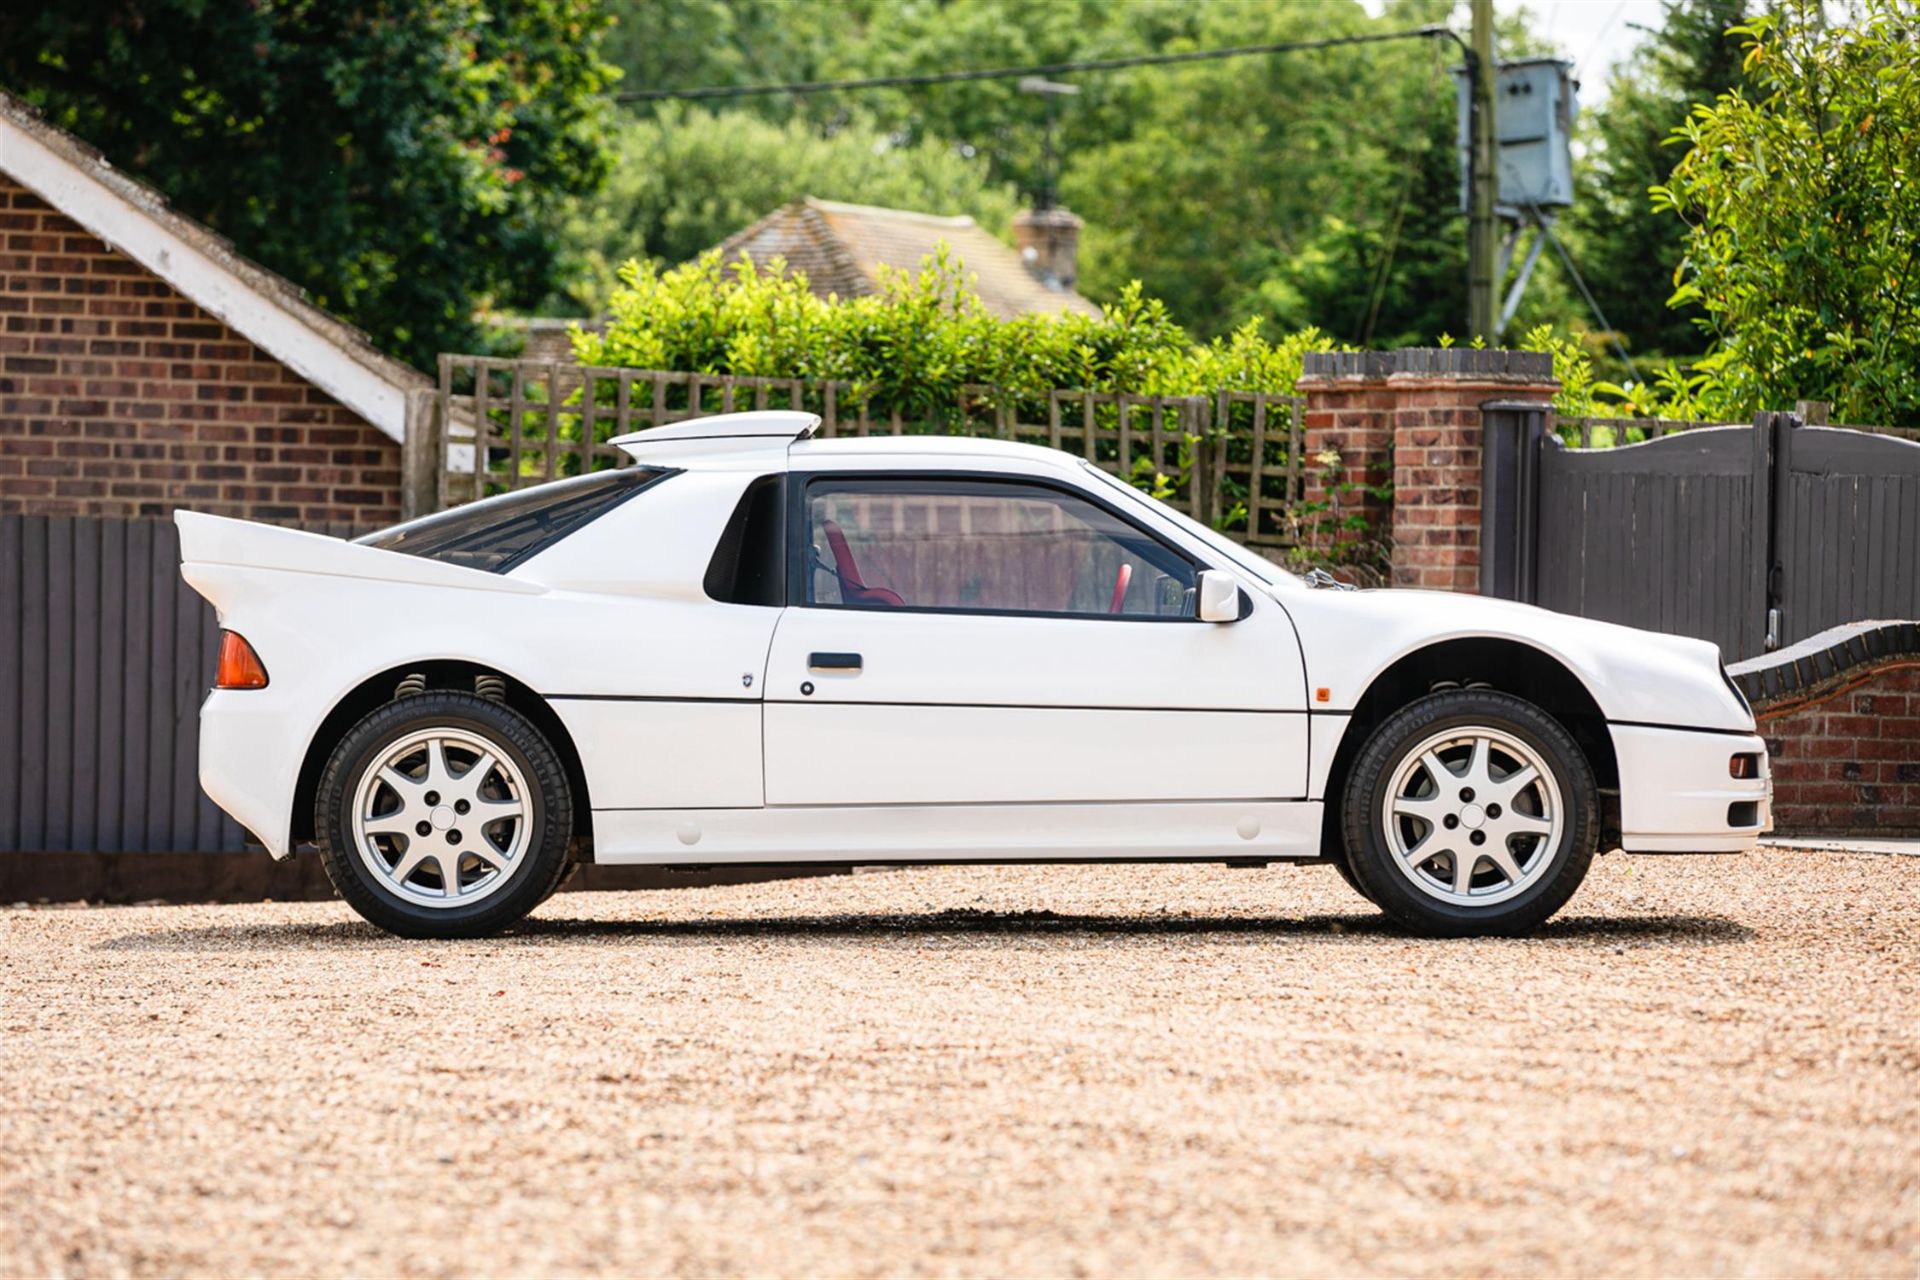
{"x":1841,"y":716}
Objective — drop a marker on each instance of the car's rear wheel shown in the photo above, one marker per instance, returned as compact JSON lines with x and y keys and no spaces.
{"x":444,"y":815}
{"x":1470,"y":812}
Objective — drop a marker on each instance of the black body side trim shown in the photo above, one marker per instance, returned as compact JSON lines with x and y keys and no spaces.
{"x":633,"y":697}
{"x":1683,"y":728}
{"x":864,"y":702}
{"x":1026,"y":706}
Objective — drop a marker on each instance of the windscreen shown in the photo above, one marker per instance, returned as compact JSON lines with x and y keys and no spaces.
{"x":500,"y":532}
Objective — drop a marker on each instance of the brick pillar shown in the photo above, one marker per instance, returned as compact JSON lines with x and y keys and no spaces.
{"x":1413,"y":414}
{"x":1347,"y":428}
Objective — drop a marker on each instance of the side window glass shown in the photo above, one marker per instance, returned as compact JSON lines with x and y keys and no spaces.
{"x":985,"y":546}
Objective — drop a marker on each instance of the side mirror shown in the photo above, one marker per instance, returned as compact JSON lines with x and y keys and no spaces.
{"x":1219,"y":594}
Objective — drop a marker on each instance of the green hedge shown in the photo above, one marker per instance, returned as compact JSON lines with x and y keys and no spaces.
{"x":917,"y":342}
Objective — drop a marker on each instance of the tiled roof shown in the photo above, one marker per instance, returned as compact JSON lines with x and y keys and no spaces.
{"x":841,"y":247}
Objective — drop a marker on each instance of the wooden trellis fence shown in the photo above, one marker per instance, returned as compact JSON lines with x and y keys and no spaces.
{"x":1232,"y":459}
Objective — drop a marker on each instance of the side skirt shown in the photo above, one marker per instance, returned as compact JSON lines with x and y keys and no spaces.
{"x":1159,"y":831}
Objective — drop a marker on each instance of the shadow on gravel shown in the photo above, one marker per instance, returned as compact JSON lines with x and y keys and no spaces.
{"x":1677,"y":931}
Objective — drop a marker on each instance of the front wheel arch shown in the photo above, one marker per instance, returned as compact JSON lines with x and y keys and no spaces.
{"x":1506,"y":666}
{"x":444,"y":674}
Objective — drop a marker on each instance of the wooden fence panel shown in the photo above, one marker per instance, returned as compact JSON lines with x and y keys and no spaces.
{"x":105,"y":656}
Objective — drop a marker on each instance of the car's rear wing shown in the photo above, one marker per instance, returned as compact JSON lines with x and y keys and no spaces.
{"x":218,"y":555}
{"x":769,"y":426}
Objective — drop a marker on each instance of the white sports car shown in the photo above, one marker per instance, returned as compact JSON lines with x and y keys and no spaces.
{"x":754,"y":646}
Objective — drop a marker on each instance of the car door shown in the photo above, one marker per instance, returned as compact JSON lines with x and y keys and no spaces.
{"x":977,"y":639}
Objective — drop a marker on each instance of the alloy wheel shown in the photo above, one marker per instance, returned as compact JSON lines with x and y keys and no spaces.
{"x":1473,"y":816}
{"x":442,"y":817}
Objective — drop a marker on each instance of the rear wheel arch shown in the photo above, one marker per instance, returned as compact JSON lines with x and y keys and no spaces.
{"x":1509,"y":666}
{"x":439,"y":674}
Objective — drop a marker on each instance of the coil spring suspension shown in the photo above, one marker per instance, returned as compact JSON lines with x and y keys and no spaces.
{"x":492,"y":688}
{"x":1452,"y":686}
{"x":411,"y":685}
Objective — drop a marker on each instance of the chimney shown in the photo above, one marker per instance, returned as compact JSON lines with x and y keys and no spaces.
{"x":1049,"y":245}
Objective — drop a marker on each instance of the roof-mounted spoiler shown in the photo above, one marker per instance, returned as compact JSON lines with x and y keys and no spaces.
{"x":768,"y":425}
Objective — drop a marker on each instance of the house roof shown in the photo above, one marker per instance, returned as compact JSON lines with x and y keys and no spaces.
{"x":841,"y":247}
{"x":271,"y":312}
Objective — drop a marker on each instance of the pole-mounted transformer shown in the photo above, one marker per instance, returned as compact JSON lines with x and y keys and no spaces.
{"x":1535,"y":101}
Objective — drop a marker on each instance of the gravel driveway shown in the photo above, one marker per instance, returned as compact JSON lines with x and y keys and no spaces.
{"x":1704,"y":1066}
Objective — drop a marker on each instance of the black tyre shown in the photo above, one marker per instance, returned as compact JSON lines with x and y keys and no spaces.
{"x":444,"y":815}
{"x":1346,"y":873}
{"x":1470,"y":812}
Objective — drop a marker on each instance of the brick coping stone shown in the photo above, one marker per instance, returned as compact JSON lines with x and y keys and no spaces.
{"x":1447,"y":362}
{"x":1822,"y":663}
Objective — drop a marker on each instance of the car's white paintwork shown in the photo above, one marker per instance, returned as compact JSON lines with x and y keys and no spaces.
{"x":963,"y":736}
{"x":966,"y":833}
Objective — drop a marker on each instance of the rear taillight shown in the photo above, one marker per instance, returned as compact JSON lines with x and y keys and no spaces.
{"x":239,"y":665}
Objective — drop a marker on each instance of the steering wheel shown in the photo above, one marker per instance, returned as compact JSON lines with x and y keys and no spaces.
{"x":1120,"y":581}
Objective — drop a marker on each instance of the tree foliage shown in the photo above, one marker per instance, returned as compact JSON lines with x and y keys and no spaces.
{"x":1628,"y":253}
{"x":401,"y":160}
{"x":683,"y":180}
{"x":1250,"y":187}
{"x":1392,"y":278}
{"x":689,"y":44}
{"x":1802,"y":206}
{"x":1253,"y":186}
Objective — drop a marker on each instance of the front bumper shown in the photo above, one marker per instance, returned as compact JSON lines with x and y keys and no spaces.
{"x":1678,"y":793}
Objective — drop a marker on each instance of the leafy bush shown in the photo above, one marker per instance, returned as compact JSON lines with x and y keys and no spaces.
{"x":1803,"y":217}
{"x":1675,"y":394}
{"x":919,"y":342}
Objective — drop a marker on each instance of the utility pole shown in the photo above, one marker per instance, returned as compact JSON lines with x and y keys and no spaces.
{"x":1482,"y":321}
{"x":1049,"y":194}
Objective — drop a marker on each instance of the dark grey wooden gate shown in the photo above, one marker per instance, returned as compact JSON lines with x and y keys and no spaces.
{"x":1751,"y":537}
{"x":1660,"y":535}
{"x":105,"y":655}
{"x":1846,"y":528}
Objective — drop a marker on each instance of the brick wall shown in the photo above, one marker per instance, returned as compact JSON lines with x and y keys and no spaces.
{"x":1848,"y":762}
{"x":1357,"y":425}
{"x":120,"y":397}
{"x":1436,"y":482}
{"x":1415,"y":414}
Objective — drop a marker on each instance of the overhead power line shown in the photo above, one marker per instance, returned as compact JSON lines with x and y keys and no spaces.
{"x":1048,"y":69}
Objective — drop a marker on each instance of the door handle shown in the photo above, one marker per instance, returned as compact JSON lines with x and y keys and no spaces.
{"x":833,"y":662}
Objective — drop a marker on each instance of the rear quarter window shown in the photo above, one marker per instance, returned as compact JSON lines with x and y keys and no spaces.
{"x":499,"y":533}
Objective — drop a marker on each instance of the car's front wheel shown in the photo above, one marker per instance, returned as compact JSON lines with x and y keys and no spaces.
{"x":443,"y":815}
{"x":1470,"y":812}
